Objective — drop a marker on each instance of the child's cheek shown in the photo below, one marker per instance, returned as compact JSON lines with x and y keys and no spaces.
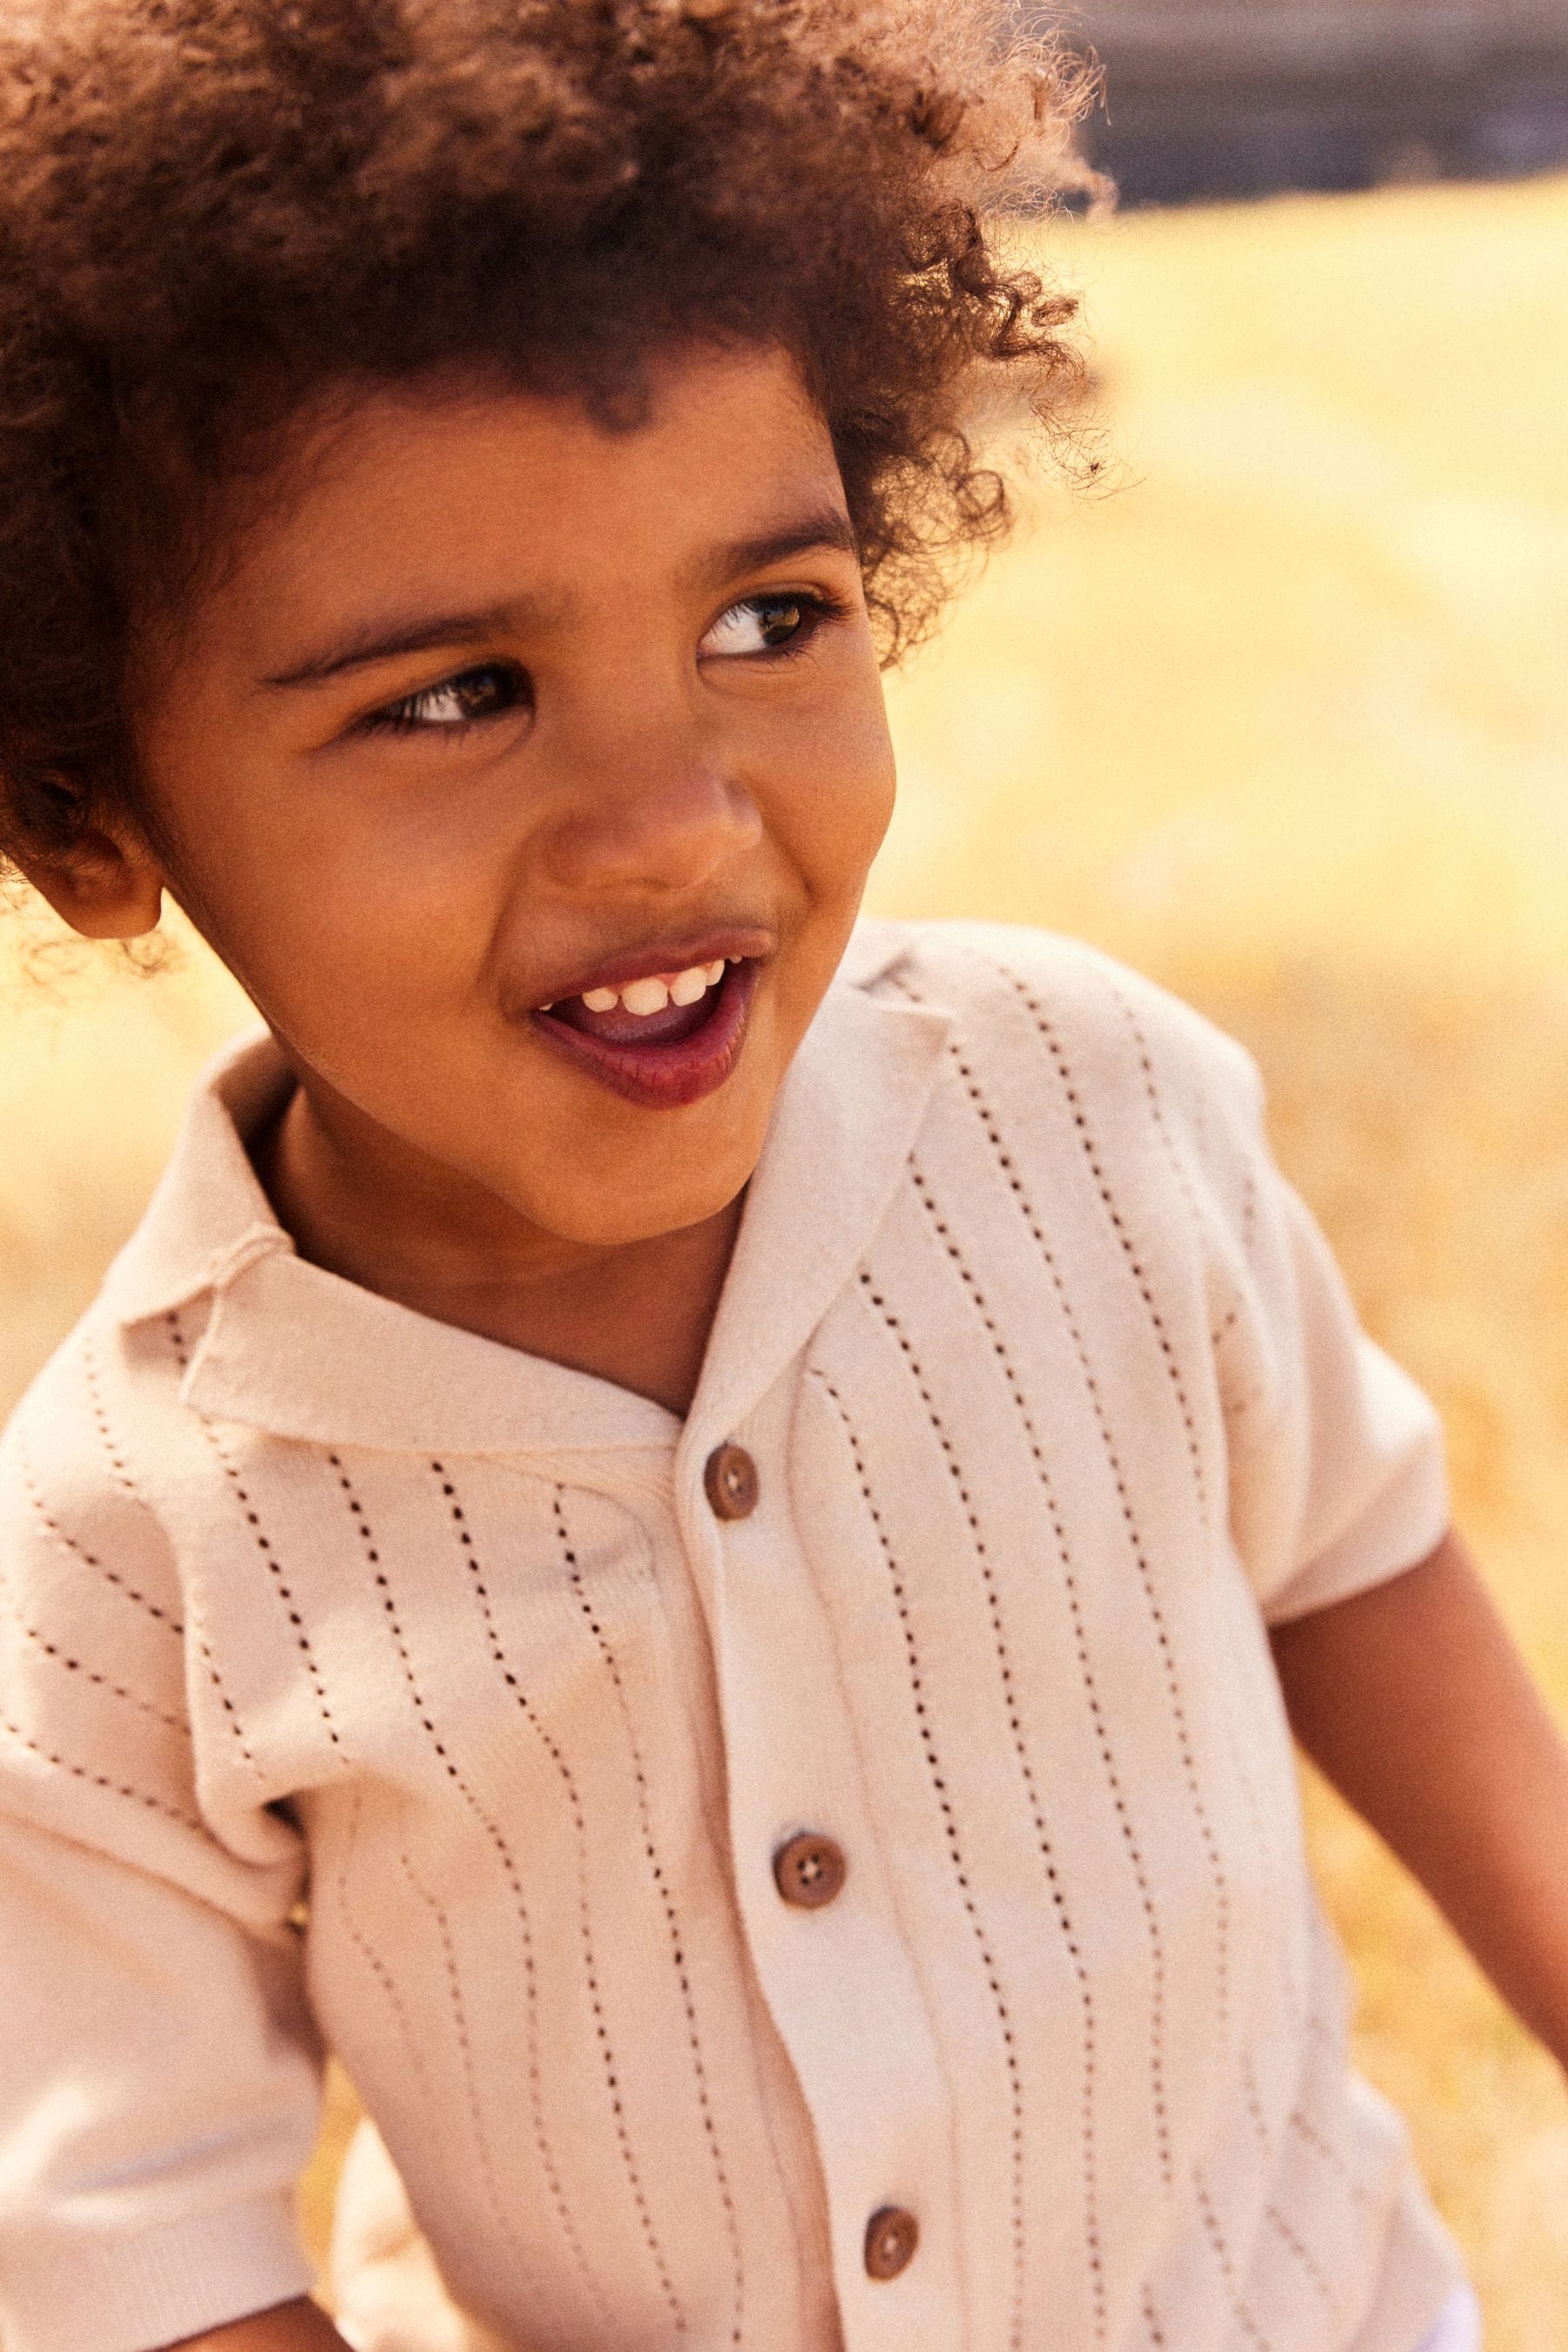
{"x":844,"y":794}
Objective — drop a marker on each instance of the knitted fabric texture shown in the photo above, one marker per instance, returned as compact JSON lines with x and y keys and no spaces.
{"x":365,"y":1681}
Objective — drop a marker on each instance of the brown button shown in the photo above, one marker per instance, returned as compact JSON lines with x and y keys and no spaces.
{"x":809,"y":1870}
{"x":891,"y":2237}
{"x":729,"y":1475}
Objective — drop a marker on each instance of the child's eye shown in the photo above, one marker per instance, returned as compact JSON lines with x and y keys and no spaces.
{"x":768,"y":625}
{"x":489,"y":691}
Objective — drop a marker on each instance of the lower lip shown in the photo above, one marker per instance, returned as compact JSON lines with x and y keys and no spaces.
{"x":666,"y":1077}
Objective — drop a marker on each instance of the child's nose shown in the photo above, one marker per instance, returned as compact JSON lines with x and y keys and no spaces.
{"x":663,"y":820}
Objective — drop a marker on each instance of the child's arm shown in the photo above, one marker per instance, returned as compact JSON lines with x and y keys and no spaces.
{"x":1415,"y":1703}
{"x":300,"y":2326}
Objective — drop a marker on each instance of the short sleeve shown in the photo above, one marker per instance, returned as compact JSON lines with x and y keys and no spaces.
{"x":159,"y":2078}
{"x":1336,"y":1465}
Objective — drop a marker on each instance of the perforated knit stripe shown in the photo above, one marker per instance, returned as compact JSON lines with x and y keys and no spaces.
{"x":38,"y":1639}
{"x":952,"y":1839}
{"x":411,"y":2042}
{"x":548,"y":2165}
{"x":1303,"y":2255}
{"x":108,"y":1782}
{"x":1093,"y":2246}
{"x":198,"y":1634}
{"x":1050,"y":1030}
{"x":113,"y":1453}
{"x":1084,"y":1129}
{"x":1157,"y":2055}
{"x":32,"y":1488}
{"x":551,"y":1747}
{"x":672,"y":1922}
{"x":1211,"y":2231}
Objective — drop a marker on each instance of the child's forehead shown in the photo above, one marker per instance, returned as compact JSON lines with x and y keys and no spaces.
{"x":750,"y":398}
{"x":482,"y":491}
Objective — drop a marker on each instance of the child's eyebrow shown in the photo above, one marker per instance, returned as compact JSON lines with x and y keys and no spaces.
{"x":830,"y":528}
{"x":384,"y":640}
{"x":387,"y":640}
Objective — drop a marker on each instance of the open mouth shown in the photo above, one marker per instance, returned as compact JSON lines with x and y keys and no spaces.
{"x":663,"y":1039}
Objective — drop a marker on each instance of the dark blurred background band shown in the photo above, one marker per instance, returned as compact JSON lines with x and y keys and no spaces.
{"x":1243,"y":98}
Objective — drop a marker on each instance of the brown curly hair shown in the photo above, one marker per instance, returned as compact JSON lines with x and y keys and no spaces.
{"x":211,"y":210}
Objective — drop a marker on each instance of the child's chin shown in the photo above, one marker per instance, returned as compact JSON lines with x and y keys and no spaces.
{"x":643,"y":1205}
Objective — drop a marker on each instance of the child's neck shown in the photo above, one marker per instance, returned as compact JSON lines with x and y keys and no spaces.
{"x":637,"y":1313}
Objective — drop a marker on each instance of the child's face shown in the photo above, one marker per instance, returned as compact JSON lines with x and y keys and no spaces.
{"x":498,"y":708}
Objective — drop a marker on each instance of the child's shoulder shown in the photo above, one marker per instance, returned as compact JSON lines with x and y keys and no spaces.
{"x":1028,"y":1004}
{"x":74,"y":1501}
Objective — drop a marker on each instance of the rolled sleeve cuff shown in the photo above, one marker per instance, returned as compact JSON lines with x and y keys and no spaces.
{"x":157,"y":2288}
{"x":1412,"y":1516}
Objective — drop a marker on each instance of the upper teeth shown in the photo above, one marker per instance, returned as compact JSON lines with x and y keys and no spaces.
{"x":652,"y":995}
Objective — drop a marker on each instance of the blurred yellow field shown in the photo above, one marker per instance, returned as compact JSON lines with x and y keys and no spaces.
{"x":1283,"y":718}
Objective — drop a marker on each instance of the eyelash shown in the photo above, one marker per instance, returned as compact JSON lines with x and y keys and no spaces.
{"x":402,"y":718}
{"x":815,"y":606}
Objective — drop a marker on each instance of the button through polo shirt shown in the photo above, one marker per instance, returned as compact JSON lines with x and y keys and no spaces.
{"x":1043,"y":1400}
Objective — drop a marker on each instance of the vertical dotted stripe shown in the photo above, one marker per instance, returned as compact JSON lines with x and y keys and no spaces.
{"x":957,"y":1860}
{"x":1235,"y":1406}
{"x":1330,"y":2158}
{"x":1276,"y":2219}
{"x":1048,"y":1031}
{"x":1020,"y":1749}
{"x":1313,"y":2269}
{"x":1169,"y":1364}
{"x":281,"y":1587}
{"x":1135,"y":1542}
{"x":1103,"y":1740}
{"x":1212,"y":2231}
{"x":1255,"y":2109}
{"x":36,"y":1639}
{"x":503,"y":1853}
{"x":672,"y":1924}
{"x":104,"y":1781}
{"x":33,"y":1489}
{"x":1141,"y":1280}
{"x":453,"y":1980}
{"x":372,"y":1959}
{"x":113,"y":1453}
{"x":551,"y":1747}
{"x":197,"y":1634}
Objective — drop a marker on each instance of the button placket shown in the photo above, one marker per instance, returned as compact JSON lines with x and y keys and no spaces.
{"x":849,"y":2011}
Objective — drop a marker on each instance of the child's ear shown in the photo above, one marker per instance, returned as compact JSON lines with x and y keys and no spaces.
{"x":108,"y":885}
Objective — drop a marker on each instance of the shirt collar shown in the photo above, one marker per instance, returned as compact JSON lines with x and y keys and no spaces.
{"x":208,"y":1217}
{"x":299,"y":1352}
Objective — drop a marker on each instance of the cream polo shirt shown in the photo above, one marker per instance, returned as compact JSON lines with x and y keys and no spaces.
{"x":365,"y":1681}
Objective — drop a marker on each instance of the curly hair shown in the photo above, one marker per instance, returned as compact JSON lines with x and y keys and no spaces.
{"x":212,"y":211}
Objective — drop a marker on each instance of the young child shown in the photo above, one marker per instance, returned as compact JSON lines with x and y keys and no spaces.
{"x":680,"y":1533}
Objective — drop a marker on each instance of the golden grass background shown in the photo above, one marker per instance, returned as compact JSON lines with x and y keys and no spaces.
{"x":1283,"y":719}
